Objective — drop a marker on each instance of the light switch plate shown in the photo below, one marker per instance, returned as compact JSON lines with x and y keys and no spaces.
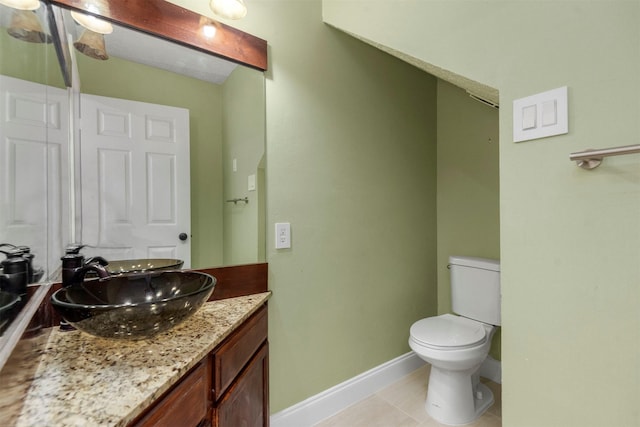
{"x":541,"y":115}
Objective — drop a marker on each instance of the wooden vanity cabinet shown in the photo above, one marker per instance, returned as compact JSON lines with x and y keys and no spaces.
{"x":228,"y":388}
{"x":186,"y":404}
{"x":246,"y":403}
{"x":240,"y":376}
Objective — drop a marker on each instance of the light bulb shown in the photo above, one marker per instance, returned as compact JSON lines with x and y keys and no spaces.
{"x":92,"y":23}
{"x":21,"y":4}
{"x":209,"y":31}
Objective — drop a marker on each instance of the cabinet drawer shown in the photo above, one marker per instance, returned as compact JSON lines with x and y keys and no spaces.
{"x":185,"y":405}
{"x":237,"y":350}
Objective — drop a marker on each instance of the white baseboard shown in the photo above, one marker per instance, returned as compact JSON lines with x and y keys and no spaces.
{"x":491,"y":369}
{"x":331,"y":401}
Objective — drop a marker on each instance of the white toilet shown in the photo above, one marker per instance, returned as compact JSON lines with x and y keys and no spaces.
{"x":456,"y":345}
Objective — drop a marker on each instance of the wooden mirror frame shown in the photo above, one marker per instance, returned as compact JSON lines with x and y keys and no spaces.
{"x":179,"y":25}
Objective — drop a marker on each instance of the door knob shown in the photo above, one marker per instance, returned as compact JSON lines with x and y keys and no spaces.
{"x":183,"y":236}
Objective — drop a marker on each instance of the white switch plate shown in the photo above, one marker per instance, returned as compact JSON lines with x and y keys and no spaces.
{"x":283,"y":235}
{"x":251,"y":183}
{"x":541,"y":115}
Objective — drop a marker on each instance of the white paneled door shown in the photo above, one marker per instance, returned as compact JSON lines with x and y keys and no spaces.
{"x":135,"y":179}
{"x":34,"y":130}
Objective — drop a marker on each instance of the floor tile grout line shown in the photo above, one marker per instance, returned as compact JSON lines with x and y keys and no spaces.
{"x":399,"y":409}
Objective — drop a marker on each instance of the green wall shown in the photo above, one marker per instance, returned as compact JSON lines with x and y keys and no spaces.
{"x":468,"y":188}
{"x":35,"y":62}
{"x":351,"y":140}
{"x":569,"y":238}
{"x":118,"y":78}
{"x":351,"y":149}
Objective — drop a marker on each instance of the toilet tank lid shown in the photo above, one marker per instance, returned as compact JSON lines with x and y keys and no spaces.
{"x":484,"y":263}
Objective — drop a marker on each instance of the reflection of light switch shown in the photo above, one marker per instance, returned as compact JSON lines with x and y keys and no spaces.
{"x":529,"y":114}
{"x":235,"y":165}
{"x":251,"y":183}
{"x":549,"y":116}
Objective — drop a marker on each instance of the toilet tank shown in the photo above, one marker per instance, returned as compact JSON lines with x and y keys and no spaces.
{"x":475,"y":288}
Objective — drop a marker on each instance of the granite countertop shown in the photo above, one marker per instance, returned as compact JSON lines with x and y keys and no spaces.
{"x":73,"y":379}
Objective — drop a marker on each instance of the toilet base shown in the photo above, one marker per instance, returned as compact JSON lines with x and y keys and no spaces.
{"x":456,"y":397}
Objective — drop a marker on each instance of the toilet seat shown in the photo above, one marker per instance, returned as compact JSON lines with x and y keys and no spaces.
{"x":448,"y":332}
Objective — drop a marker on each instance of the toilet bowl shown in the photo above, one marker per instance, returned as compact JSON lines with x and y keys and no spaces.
{"x":456,"y":344}
{"x":455,"y":347}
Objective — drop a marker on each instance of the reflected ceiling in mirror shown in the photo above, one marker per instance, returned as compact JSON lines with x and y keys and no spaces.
{"x":142,"y":48}
{"x":174,"y":23}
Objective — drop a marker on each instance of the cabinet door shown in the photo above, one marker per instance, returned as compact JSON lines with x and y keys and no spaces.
{"x":186,"y":405}
{"x":246,"y":402}
{"x":234,"y":354}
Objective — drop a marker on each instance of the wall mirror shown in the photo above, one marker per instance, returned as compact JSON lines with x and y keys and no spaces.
{"x":81,"y":183}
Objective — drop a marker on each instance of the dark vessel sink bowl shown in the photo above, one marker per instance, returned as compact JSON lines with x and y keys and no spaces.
{"x":133,"y":306}
{"x":140,"y":265}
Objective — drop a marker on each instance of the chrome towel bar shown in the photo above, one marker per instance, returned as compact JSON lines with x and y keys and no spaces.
{"x":591,"y":159}
{"x":235,"y":201}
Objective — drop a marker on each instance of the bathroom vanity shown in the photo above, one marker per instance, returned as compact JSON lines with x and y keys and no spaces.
{"x":227,"y":387}
{"x":210,"y":370}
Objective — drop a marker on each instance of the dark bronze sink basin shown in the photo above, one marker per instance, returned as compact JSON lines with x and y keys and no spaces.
{"x":133,"y":306}
{"x":140,"y":265}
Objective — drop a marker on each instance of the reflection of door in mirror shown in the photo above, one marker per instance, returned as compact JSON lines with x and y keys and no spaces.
{"x":33,"y":154}
{"x":134,"y":179}
{"x":34,"y":132}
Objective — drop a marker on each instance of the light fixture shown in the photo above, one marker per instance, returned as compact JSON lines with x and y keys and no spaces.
{"x":26,"y":27}
{"x":21,"y":4}
{"x":230,"y":9}
{"x":92,"y":23}
{"x":91,"y":44}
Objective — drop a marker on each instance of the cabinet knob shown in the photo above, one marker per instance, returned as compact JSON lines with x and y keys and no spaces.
{"x":183,"y":236}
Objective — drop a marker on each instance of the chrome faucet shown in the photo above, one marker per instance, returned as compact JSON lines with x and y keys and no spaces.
{"x":75,"y":267}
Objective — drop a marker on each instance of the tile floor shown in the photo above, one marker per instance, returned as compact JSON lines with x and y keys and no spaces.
{"x":402,"y":405}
